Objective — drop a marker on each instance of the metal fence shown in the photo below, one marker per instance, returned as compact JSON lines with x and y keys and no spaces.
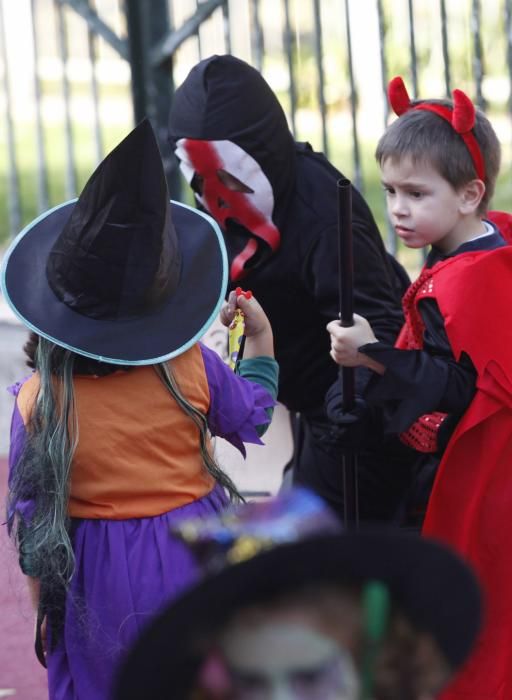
{"x":77,"y":74}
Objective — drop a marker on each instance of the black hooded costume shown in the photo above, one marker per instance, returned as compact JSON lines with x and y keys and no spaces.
{"x":276,"y":202}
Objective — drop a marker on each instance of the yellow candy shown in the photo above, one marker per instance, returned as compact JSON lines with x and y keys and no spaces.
{"x":235,"y":335}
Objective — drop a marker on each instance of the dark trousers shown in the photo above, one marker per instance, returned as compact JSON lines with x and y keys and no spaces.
{"x":384,"y":478}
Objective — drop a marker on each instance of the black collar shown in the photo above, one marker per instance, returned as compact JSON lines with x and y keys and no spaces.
{"x":490,"y":242}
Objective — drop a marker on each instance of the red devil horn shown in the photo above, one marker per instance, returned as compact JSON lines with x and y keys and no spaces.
{"x":463,"y":116}
{"x":398,"y":96}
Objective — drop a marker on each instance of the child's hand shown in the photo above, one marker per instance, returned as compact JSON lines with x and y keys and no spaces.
{"x":346,"y":341}
{"x":255,"y":318}
{"x":258,"y":333}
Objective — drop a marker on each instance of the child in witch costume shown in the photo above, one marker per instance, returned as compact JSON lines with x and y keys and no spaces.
{"x":276,"y":202}
{"x":291,"y":607}
{"x":110,"y":435}
{"x":446,"y":387}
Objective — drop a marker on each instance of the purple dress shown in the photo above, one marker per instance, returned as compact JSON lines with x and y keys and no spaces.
{"x":127,"y":569}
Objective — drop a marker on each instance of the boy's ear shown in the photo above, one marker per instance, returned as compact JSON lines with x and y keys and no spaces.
{"x":471,"y":196}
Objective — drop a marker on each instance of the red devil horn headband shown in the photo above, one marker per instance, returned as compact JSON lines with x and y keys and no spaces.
{"x":461,"y":117}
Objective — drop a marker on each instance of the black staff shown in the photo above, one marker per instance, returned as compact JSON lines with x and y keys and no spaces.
{"x":347,"y":376}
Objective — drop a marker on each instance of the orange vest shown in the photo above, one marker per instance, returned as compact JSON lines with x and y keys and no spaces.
{"x":138,"y":453}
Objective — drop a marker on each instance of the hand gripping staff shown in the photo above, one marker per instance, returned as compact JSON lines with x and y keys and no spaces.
{"x":347,"y":376}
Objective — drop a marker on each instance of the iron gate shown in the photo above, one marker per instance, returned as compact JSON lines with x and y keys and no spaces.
{"x":313,"y":52}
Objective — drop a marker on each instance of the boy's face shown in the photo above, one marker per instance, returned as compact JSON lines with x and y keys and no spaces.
{"x":424,"y":208}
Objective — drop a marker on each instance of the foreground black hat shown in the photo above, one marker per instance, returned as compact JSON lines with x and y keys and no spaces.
{"x":253,"y":563}
{"x":119,"y":275}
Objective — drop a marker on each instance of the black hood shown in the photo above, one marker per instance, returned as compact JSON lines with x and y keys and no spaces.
{"x":226,"y":98}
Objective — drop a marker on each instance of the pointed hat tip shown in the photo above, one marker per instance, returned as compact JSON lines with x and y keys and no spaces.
{"x":143,"y":132}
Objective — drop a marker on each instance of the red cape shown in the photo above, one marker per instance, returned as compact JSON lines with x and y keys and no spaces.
{"x":471,"y":503}
{"x":503,"y":221}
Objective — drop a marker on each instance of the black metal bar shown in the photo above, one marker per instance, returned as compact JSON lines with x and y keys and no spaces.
{"x":346,"y":278}
{"x":98,"y":140}
{"x":160,"y":92}
{"x":165,"y":47}
{"x":446,"y":53}
{"x":288,"y":47}
{"x":152,"y":83}
{"x":14,"y":205}
{"x":71,"y":182}
{"x":347,"y":375}
{"x":255,"y":494}
{"x":353,"y":104}
{"x":383,"y":60}
{"x":137,"y":43}
{"x":478,"y":63}
{"x":42,"y":175}
{"x":391,"y":238}
{"x":198,"y":34}
{"x":508,"y":34}
{"x":257,"y":39}
{"x":226,"y":27}
{"x":321,"y":81}
{"x":412,"y":45}
{"x":414,"y":71}
{"x":97,"y":25}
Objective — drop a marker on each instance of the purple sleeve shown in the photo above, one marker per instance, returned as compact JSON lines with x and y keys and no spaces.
{"x":18,"y":437}
{"x":237,"y":405}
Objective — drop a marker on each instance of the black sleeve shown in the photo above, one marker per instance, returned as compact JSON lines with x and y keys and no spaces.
{"x":421,"y":381}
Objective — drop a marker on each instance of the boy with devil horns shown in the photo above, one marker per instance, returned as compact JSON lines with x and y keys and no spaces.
{"x":445,"y":389}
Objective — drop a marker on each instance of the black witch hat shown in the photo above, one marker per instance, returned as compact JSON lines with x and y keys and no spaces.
{"x":119,"y":275}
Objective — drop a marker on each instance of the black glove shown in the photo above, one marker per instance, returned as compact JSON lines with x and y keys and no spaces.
{"x":334,"y":407}
{"x":349,"y":430}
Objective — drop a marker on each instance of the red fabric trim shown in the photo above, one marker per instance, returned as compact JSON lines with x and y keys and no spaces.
{"x":411,"y":335}
{"x":422,"y":435}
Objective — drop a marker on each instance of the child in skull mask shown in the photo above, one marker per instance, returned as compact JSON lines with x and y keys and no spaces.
{"x":275,"y":200}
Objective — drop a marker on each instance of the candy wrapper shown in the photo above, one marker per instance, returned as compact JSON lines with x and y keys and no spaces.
{"x":235,"y":336}
{"x":236,"y":331}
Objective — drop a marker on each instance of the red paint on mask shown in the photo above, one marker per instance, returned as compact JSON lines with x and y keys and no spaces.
{"x":224,"y":203}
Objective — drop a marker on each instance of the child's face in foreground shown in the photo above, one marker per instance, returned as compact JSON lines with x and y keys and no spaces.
{"x":287,"y":660}
{"x":424,"y":208}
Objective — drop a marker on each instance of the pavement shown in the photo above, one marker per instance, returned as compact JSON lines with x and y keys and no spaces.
{"x":21,"y":675}
{"x":12,"y":368}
